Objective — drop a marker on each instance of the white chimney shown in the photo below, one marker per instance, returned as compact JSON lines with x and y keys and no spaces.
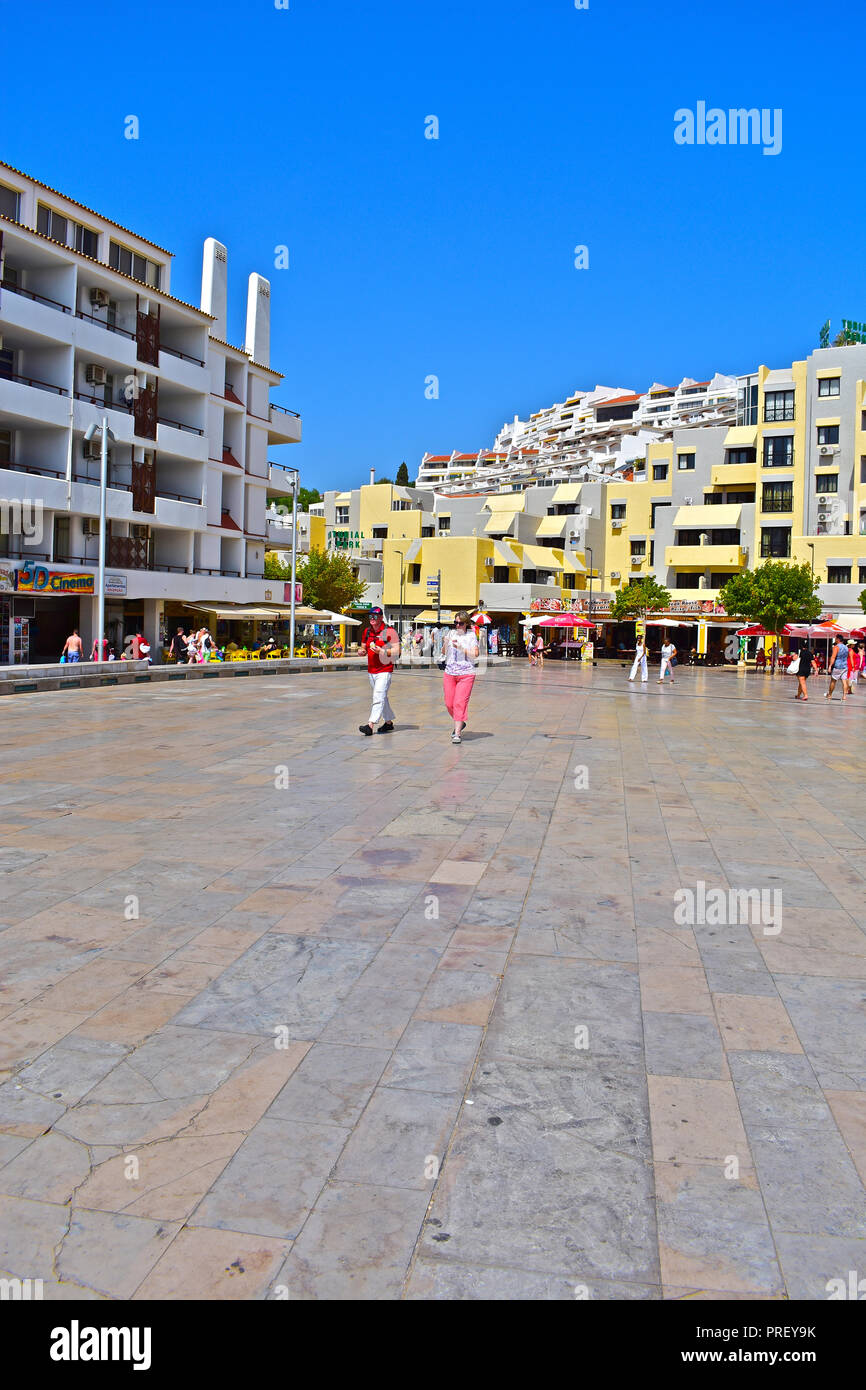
{"x":372,"y":476}
{"x":258,"y":340}
{"x":214,"y":286}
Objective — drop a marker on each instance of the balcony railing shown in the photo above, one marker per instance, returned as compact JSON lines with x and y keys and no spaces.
{"x":103,"y":323}
{"x":284,"y":410}
{"x":123,"y":405}
{"x":177,"y":425}
{"x":31,"y":294}
{"x":34,"y":381}
{"x":184,"y":356}
{"x":15,"y":467}
{"x":177,"y":496}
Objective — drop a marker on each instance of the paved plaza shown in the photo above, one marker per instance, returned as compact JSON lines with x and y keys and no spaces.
{"x":289,"y":1013}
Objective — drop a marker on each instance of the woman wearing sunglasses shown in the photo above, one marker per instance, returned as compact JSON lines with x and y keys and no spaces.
{"x":460,"y":653}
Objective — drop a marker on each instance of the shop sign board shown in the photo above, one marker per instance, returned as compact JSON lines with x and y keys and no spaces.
{"x":31,"y":578}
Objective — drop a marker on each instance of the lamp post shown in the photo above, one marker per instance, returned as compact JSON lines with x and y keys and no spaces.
{"x":90,"y":433}
{"x":589,"y":553}
{"x":295,"y":481}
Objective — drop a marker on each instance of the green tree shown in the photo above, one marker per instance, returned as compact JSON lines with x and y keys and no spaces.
{"x":389,"y":481}
{"x":636,"y":600}
{"x":403,"y":475}
{"x":863,"y":599}
{"x":306,"y":496}
{"x":329,"y":581}
{"x":774,"y":594}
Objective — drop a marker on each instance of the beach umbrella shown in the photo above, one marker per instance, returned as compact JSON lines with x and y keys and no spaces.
{"x":480,"y":618}
{"x":564,"y":620}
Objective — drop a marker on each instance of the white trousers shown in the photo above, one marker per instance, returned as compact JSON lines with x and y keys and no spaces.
{"x":639,"y":661}
{"x":380,"y":681}
{"x":666,"y":666}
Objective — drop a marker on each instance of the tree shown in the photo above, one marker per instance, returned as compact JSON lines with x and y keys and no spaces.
{"x":863,"y":599}
{"x":774,"y":594}
{"x":306,"y":497}
{"x":389,"y":481}
{"x":646,"y":595}
{"x":329,"y":581}
{"x":403,"y":475}
{"x":845,"y":338}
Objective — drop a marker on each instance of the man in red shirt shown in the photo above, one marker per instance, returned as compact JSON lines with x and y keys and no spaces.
{"x":382,"y":645}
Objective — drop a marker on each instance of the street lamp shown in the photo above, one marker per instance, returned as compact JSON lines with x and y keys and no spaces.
{"x":589,"y":553}
{"x":90,"y":433}
{"x":296,"y":478}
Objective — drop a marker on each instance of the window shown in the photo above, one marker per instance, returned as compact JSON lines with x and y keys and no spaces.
{"x":500,"y":574}
{"x":778,"y":497}
{"x":829,"y":385}
{"x":826,"y":482}
{"x":5,"y":446}
{"x":398,"y":505}
{"x":341,"y":517}
{"x":654,"y":509}
{"x":746,"y":495}
{"x":775,"y":542}
{"x":779,"y":451}
{"x":50,"y":223}
{"x":863,"y":468}
{"x":129,"y":263}
{"x":838,"y":574}
{"x":687,"y":581}
{"x":718,"y":581}
{"x":652,"y":554}
{"x":86,"y":241}
{"x":7,"y":364}
{"x":617,"y":511}
{"x":740,"y":455}
{"x":861,"y":574}
{"x":427,"y":531}
{"x":380,"y":533}
{"x":828,"y":434}
{"x":688,"y":538}
{"x":778,"y":405}
{"x":638,"y":549}
{"x":747,"y":405}
{"x":414,"y":574}
{"x":9,"y":202}
{"x":660,"y":472}
{"x":685,"y":462}
{"x":530,"y":576}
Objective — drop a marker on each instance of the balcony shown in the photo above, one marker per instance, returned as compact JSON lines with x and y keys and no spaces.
{"x":717,"y":557}
{"x":32,"y":295}
{"x":733,"y":474}
{"x":285,"y":425}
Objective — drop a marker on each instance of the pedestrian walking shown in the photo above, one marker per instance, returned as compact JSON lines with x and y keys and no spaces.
{"x":94,"y":654}
{"x":803,"y":672}
{"x":382,"y":645}
{"x":669,"y":657}
{"x":72,"y":649}
{"x":539,"y":650}
{"x":838,"y":668}
{"x":461,"y":653}
{"x":853,"y":672}
{"x":530,"y":646}
{"x":639,"y":660}
{"x":178,"y":648}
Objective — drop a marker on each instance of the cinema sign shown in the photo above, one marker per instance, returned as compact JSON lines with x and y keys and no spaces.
{"x":38,"y":579}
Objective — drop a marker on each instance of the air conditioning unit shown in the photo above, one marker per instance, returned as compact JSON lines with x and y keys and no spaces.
{"x":93,"y":448}
{"x":95,"y":375}
{"x":100,"y":299}
{"x":490,"y":562}
{"x":614,"y":574}
{"x":823,"y":516}
{"x":821,"y":501}
{"x":826,"y":449}
{"x":90,"y":525}
{"x":139,"y":532}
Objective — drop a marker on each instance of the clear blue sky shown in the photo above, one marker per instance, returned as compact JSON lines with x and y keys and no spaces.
{"x":454,"y":257}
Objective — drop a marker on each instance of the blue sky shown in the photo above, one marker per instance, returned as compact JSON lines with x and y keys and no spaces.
{"x":454,"y":257}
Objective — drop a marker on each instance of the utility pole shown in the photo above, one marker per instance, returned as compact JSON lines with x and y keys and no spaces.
{"x":295,"y":482}
{"x":438,"y":598}
{"x":103,"y":486}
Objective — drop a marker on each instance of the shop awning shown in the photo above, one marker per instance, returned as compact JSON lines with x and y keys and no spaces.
{"x":566,"y":492}
{"x":552,"y":526}
{"x":504,"y":553}
{"x":717,"y":518}
{"x":539,"y":557}
{"x":429,"y":615}
{"x":741,"y":437}
{"x":505,"y":502}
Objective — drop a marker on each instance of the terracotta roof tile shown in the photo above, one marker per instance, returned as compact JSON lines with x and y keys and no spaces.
{"x":84,"y":208}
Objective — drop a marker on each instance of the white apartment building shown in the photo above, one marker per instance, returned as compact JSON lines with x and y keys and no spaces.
{"x":89,"y":329}
{"x":592,"y":435}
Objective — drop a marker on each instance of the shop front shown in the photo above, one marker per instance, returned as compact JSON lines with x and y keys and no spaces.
{"x":39,"y":609}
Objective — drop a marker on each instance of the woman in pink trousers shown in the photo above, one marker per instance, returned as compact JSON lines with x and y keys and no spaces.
{"x":460,"y":652}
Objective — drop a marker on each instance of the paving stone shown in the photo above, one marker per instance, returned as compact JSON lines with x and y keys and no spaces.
{"x":683,"y":1045}
{"x":400,"y":1139}
{"x":332,"y":1085}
